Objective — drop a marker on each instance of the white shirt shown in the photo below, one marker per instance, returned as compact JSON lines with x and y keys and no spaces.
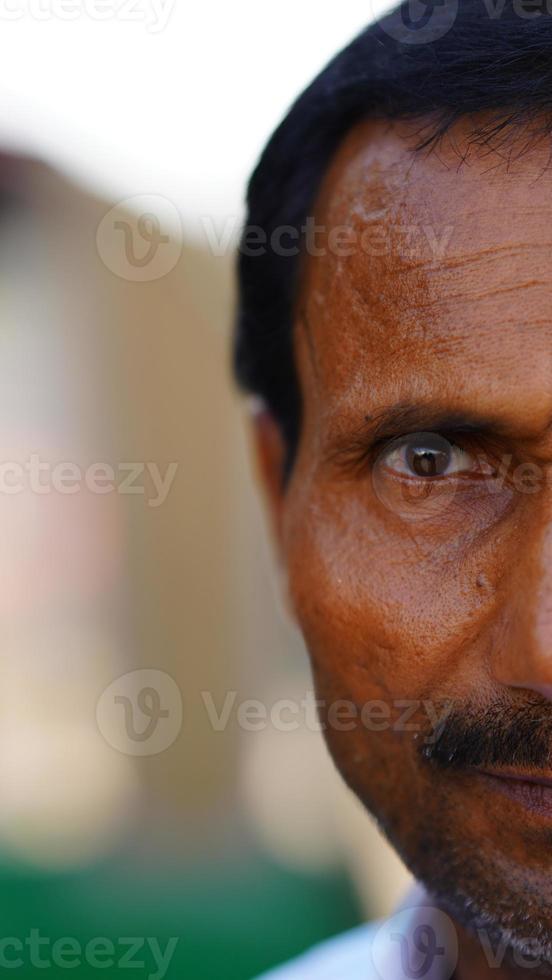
{"x":418,"y":942}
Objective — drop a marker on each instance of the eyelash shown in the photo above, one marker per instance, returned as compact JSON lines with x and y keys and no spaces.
{"x":363,"y":456}
{"x":456,"y":438}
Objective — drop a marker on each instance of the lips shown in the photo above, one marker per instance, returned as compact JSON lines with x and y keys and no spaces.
{"x":532,"y":792}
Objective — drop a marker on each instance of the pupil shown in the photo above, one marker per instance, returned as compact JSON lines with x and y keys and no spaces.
{"x":428,"y":462}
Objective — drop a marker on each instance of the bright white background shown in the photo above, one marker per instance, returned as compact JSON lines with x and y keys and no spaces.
{"x":175,"y":97}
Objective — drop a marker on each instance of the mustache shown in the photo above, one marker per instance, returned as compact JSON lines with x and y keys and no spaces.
{"x":508,"y":734}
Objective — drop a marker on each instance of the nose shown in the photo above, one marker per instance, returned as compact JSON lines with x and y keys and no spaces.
{"x":523,"y":658}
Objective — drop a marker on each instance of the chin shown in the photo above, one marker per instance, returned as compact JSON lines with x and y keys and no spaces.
{"x":511,"y":933}
{"x":504,"y":903}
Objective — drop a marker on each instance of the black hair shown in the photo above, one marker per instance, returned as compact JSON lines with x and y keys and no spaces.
{"x":467,"y":57}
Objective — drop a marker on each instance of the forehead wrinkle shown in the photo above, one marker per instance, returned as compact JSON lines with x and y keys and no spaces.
{"x":463,"y":254}
{"x":400,"y":320}
{"x":478,"y":278}
{"x":381,"y":352}
{"x":482,"y":308}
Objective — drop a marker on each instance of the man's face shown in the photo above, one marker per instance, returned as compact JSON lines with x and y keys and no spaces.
{"x":417,"y":537}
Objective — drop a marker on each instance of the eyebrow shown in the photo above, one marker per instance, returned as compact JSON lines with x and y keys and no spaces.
{"x":406,"y":417}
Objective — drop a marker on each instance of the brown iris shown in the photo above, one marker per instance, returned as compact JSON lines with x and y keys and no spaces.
{"x":430,"y":457}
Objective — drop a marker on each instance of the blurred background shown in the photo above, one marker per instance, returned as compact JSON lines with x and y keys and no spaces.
{"x":162,"y":774}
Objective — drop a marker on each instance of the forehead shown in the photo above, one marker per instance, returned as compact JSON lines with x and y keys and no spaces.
{"x":432,"y":270}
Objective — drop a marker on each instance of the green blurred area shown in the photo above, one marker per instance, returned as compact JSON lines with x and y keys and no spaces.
{"x":232,"y":922}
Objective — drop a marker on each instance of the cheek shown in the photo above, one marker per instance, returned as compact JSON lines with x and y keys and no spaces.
{"x":385,"y":611}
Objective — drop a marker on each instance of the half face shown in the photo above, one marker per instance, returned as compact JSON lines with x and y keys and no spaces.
{"x":417,"y":526}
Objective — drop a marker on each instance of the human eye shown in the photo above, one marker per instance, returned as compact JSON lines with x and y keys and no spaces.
{"x":426,"y":456}
{"x":423,"y":475}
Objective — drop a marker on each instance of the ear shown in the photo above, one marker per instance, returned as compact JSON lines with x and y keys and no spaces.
{"x":270,"y":453}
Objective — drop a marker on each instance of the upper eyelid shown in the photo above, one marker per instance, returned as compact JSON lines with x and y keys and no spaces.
{"x":401,"y":438}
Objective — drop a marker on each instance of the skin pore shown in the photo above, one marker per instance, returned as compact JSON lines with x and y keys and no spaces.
{"x":419,"y":567}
